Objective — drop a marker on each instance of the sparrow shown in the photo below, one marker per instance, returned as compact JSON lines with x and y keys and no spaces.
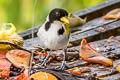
{"x":55,"y":33}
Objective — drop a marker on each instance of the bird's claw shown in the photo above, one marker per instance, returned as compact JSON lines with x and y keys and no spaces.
{"x":63,"y":66}
{"x":45,"y":61}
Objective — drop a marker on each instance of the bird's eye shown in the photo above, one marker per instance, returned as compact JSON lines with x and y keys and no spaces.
{"x":57,"y":14}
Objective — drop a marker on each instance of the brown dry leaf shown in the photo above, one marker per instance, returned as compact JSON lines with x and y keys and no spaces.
{"x":76,"y":21}
{"x":19,"y":58}
{"x":43,"y":76}
{"x":9,"y":35}
{"x":118,"y":68}
{"x":4,"y":68}
{"x":89,"y":54}
{"x":114,"y":14}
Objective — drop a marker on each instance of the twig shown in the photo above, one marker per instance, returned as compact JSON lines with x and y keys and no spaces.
{"x":16,"y":46}
{"x":106,"y":75}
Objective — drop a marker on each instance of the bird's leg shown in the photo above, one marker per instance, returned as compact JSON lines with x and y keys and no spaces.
{"x":42,"y":56}
{"x":45,"y":60}
{"x":63,"y":62}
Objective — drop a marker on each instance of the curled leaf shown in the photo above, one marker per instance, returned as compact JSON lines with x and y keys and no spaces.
{"x":12,"y":30}
{"x":9,"y":35}
{"x":89,"y":54}
{"x":114,"y":14}
{"x":43,"y":76}
{"x":19,"y":58}
{"x":76,"y":21}
{"x":6,"y":33}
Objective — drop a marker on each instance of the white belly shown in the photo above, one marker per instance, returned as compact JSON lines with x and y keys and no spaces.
{"x":51,"y":39}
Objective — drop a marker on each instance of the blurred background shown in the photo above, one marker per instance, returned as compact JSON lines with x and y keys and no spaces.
{"x":19,"y":12}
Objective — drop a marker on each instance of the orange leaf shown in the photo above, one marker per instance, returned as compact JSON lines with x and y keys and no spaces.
{"x":43,"y":76}
{"x":75,"y":72}
{"x":118,"y":68}
{"x":114,"y":14}
{"x":40,"y":53}
{"x":2,"y":54}
{"x":89,"y":54}
{"x":4,"y":68}
{"x":22,"y":77}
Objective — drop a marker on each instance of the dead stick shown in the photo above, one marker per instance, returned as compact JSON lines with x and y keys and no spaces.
{"x":16,"y":46}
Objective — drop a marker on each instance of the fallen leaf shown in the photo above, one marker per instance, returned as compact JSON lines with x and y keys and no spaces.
{"x":19,"y":58}
{"x":2,"y":54}
{"x":118,"y":68}
{"x":76,"y":21}
{"x":114,"y":14}
{"x":4,"y":68}
{"x":43,"y":76}
{"x":22,"y":76}
{"x":75,"y":71}
{"x":40,"y":53}
{"x":9,"y":35}
{"x":89,"y":54}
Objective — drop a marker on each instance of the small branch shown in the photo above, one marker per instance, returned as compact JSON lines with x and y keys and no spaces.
{"x":14,"y":45}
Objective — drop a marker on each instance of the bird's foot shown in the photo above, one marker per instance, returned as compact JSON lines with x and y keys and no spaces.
{"x":63,"y":66}
{"x":45,"y":61}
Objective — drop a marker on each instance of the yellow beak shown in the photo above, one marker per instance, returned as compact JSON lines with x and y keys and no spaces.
{"x":65,"y":20}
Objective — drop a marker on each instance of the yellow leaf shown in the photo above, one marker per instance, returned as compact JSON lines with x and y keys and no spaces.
{"x":9,"y":35}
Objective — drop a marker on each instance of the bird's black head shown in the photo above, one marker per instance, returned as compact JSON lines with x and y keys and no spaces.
{"x":57,"y":14}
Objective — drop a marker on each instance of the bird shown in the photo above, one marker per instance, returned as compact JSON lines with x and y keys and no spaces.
{"x":55,"y":32}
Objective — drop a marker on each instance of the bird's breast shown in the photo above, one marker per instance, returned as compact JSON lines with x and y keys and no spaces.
{"x":54,"y":38}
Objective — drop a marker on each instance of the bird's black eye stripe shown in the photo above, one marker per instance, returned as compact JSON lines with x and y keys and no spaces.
{"x":61,"y":31}
{"x":47,"y":26}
